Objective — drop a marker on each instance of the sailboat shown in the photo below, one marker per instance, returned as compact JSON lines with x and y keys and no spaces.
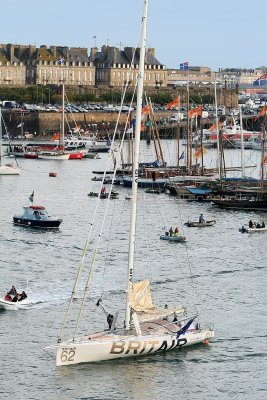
{"x":58,"y":153}
{"x":6,"y":169}
{"x":146,"y":328}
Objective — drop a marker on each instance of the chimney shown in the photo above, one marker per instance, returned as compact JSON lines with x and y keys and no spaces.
{"x":10,"y":52}
{"x":93,"y":52}
{"x":151,"y":50}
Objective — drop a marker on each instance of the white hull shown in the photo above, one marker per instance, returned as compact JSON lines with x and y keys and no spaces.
{"x":110,"y":346}
{"x":59,"y":157}
{"x":9,"y":305}
{"x":6,"y":170}
{"x":253,"y":230}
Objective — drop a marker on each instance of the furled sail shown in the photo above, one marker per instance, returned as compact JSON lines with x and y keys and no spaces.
{"x":141,"y":302}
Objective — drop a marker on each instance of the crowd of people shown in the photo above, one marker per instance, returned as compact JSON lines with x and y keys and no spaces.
{"x":13,"y":296}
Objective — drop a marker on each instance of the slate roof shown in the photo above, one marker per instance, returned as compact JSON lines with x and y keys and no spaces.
{"x":113,"y":55}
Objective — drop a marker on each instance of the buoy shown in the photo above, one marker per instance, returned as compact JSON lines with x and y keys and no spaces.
{"x":206,"y":342}
{"x":53,"y":174}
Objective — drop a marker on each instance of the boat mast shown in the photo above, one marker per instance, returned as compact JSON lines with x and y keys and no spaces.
{"x":136,"y":165}
{"x":61,"y":137}
{"x":217,"y":130}
{"x":242,"y":141}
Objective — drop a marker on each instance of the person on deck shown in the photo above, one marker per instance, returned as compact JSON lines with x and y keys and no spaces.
{"x":201,"y":219}
{"x":103,"y":190}
{"x":110,"y":319}
{"x":13,"y":291}
{"x":22,"y":296}
{"x":176,"y":230}
{"x":171,"y":231}
{"x":263,"y":224}
{"x":250,"y":224}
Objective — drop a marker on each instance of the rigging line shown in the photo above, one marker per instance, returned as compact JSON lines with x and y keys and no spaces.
{"x":87,"y":240}
{"x":188,"y":261}
{"x":95,"y":213}
{"x":9,"y":140}
{"x":108,"y":247}
{"x":75,"y":123}
{"x":105,"y":213}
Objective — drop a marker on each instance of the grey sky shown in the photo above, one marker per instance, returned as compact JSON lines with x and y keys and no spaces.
{"x":226,"y":33}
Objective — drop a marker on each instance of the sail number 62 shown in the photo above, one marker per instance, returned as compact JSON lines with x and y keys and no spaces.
{"x":68,"y":355}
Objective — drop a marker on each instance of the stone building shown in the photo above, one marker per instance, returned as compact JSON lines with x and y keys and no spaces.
{"x":29,"y":65}
{"x":113,"y":67}
{"x":197,"y":75}
{"x":71,"y":64}
{"x":230,"y":77}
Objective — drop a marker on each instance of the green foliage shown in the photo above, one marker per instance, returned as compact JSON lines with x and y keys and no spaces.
{"x":52,"y":94}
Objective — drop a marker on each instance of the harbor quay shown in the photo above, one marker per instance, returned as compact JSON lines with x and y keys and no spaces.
{"x":43,"y":125}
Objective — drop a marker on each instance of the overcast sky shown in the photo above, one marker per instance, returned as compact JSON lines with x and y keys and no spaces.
{"x":212,"y":33}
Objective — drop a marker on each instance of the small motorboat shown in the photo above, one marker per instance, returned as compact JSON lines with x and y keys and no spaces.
{"x":252,"y":230}
{"x":14,"y":301}
{"x":173,"y":238}
{"x":104,"y":195}
{"x":197,"y":224}
{"x":36,"y":217}
{"x":155,"y":191}
{"x":10,"y":305}
{"x":53,"y":174}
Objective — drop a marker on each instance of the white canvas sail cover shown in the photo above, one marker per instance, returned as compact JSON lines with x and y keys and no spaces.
{"x":141,"y":302}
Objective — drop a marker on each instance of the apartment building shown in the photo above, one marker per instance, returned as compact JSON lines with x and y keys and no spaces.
{"x":114,"y":67}
{"x":29,"y":65}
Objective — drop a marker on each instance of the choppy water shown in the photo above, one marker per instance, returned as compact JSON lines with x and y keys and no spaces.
{"x":229,"y":270}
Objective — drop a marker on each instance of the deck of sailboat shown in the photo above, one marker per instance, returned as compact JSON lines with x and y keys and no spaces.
{"x":159,"y":327}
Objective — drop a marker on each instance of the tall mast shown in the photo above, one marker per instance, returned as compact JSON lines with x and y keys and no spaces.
{"x":217,"y":130}
{"x":136,"y":165}
{"x":242,"y":142}
{"x":61,"y":137}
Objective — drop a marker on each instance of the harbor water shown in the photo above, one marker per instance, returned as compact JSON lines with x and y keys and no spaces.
{"x":218,"y":269}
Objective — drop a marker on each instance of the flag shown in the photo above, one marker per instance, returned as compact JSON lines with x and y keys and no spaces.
{"x":195,"y":111}
{"x":61,"y":60}
{"x":31,"y":197}
{"x":184,"y":328}
{"x":146,"y":110}
{"x":199,"y":151}
{"x":262,"y":80}
{"x":55,"y":137}
{"x":184,"y":66}
{"x":213,"y":127}
{"x":173,"y":103}
{"x":181,"y":156}
{"x":142,"y":127}
{"x":261,"y":113}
